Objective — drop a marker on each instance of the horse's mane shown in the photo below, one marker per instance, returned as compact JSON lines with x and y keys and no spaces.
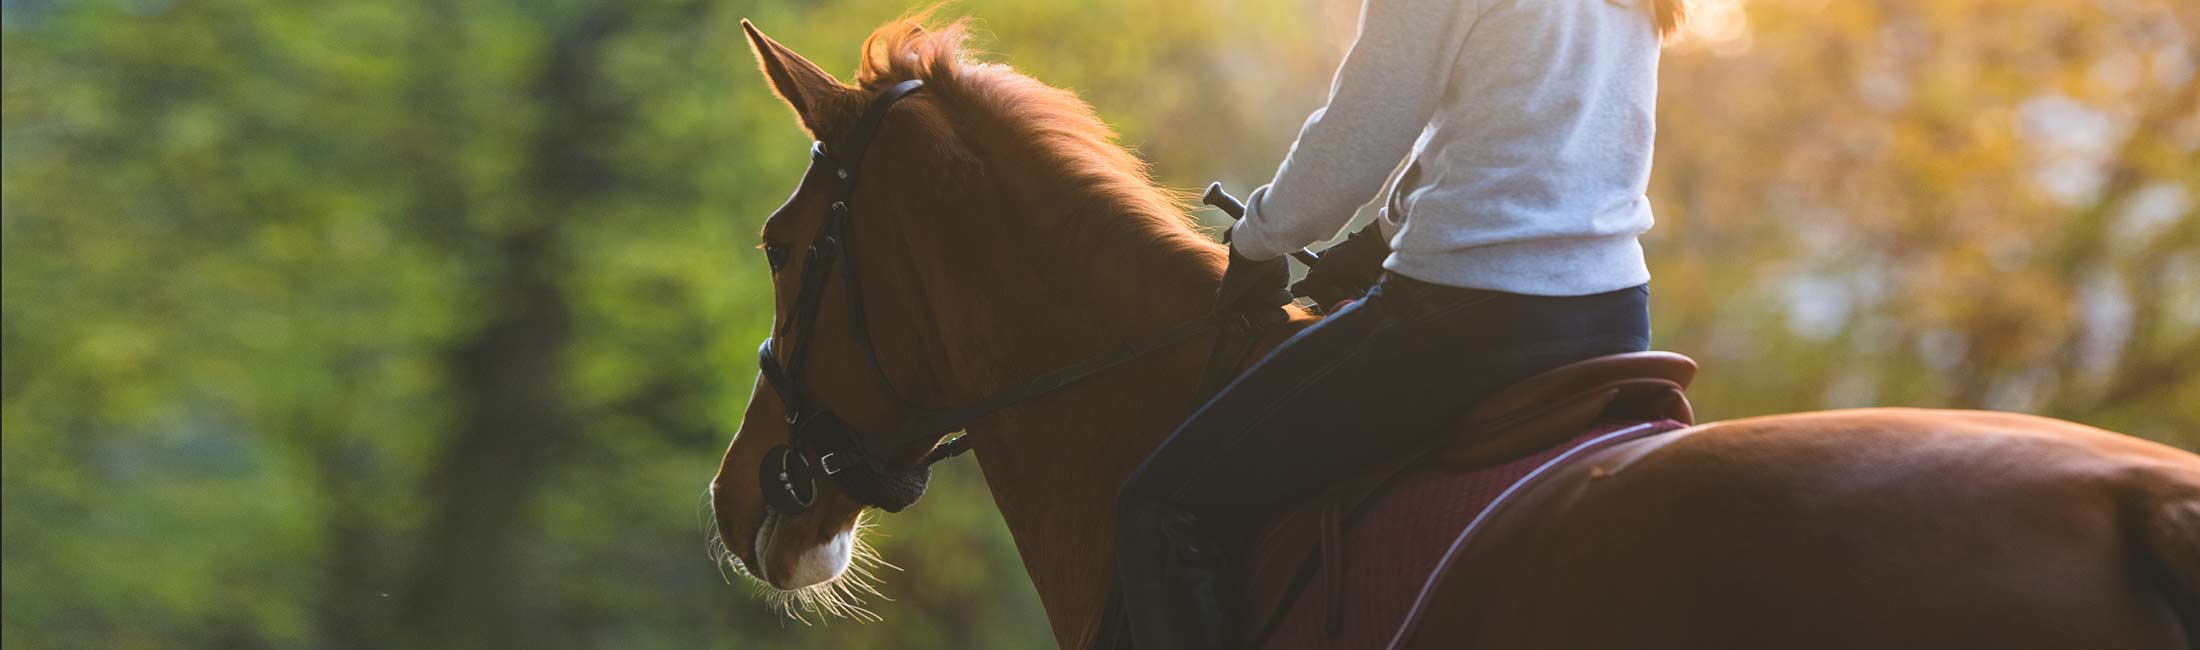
{"x":1063,"y":128}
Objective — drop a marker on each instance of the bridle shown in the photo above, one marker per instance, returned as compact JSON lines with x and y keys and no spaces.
{"x":820,"y":442}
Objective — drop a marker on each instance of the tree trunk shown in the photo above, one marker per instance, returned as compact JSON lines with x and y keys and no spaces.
{"x":465,"y":590}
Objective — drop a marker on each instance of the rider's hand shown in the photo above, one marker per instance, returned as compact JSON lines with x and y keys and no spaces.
{"x":1255,"y":288}
{"x":1347,"y":269}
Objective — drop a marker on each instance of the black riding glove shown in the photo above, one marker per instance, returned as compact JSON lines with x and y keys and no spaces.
{"x":1255,"y":288}
{"x":1347,"y":269}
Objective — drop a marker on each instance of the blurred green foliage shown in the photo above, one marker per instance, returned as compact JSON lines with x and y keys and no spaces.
{"x":384,"y":324}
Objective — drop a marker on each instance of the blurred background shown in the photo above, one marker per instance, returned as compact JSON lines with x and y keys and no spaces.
{"x":396,"y":324}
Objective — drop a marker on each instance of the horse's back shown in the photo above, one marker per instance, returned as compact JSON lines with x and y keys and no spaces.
{"x":1864,"y":528}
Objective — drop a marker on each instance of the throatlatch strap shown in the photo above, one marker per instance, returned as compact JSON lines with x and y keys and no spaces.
{"x":1065,"y":376}
{"x":867,"y":479}
{"x":859,"y":473}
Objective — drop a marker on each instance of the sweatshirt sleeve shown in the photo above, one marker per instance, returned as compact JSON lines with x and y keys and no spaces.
{"x":1380,"y":101}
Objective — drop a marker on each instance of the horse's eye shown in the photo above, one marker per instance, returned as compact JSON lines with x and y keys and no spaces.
{"x":776,"y":255}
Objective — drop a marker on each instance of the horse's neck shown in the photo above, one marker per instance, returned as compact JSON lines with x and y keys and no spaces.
{"x":1054,"y":464}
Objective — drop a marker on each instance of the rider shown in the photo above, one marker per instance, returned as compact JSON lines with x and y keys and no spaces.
{"x":1528,"y":126}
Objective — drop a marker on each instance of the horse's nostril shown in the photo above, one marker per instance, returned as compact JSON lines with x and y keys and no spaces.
{"x":718,"y":498}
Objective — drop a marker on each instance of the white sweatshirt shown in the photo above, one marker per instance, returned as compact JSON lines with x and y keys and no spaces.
{"x":1530,"y":123}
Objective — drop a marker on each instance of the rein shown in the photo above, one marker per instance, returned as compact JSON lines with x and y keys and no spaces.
{"x":820,"y":442}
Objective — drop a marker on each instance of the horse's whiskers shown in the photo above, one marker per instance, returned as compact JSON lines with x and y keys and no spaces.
{"x":844,"y":596}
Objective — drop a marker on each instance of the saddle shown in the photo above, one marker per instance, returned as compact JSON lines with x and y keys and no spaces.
{"x":1418,"y":506}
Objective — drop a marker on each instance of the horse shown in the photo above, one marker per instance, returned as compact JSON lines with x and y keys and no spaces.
{"x":1004,"y":233}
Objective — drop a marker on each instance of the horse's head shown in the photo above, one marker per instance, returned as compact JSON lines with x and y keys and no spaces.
{"x":988,"y":218}
{"x":861,"y":354}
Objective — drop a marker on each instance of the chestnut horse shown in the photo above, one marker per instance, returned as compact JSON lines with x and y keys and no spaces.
{"x":1005,"y":234}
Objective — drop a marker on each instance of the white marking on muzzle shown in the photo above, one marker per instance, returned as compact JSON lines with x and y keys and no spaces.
{"x":822,"y":562}
{"x":816,"y":565}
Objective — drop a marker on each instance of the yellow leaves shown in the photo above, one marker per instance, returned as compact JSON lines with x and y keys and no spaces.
{"x":1957,"y":150}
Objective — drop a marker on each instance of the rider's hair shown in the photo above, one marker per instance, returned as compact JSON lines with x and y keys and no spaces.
{"x":1667,"y":14}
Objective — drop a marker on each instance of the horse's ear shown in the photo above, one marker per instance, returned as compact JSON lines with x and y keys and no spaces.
{"x":817,"y":98}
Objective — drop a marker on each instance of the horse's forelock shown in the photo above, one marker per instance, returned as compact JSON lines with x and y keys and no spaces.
{"x":908,"y":48}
